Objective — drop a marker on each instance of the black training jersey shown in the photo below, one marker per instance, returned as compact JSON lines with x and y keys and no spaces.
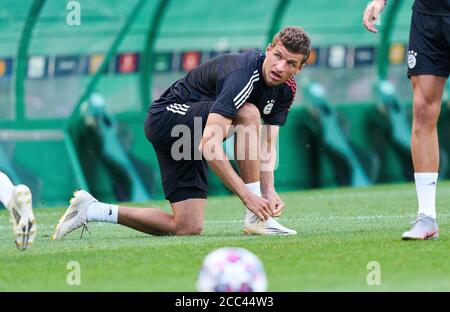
{"x":230,"y":80}
{"x":433,"y":7}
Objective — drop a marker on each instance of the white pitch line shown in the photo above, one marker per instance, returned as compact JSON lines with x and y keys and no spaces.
{"x":303,"y":219}
{"x":333,"y":218}
{"x":287,"y":220}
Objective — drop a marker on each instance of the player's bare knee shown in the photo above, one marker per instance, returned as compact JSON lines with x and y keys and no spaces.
{"x":248,"y":114}
{"x":425,"y":113}
{"x":186,"y":230}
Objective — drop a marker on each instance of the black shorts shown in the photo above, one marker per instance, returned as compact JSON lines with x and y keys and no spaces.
{"x":429,"y":45}
{"x":175,"y":134}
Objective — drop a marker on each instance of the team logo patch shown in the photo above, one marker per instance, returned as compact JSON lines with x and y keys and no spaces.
{"x":268,"y":108}
{"x":412,"y":61}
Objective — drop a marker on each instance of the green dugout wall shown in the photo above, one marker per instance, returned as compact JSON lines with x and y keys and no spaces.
{"x":130,"y":51}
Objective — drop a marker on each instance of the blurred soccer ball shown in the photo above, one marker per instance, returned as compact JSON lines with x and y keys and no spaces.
{"x":232,"y":270}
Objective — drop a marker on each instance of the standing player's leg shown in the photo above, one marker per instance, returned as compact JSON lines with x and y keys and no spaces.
{"x":428,"y":91}
{"x":247,"y":157}
{"x":17,"y":199}
{"x":187,"y":217}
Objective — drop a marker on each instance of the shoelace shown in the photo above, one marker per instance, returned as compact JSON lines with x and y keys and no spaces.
{"x":418,"y":219}
{"x":85,"y":228}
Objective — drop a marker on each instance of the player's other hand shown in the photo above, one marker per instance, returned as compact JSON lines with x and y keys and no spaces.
{"x":258,"y":205}
{"x":372,"y":13}
{"x":276,"y":203}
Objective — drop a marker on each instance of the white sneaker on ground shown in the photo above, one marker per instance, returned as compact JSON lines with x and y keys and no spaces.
{"x":22,"y":217}
{"x":75,"y":216}
{"x":269,"y":227}
{"x":424,"y":228}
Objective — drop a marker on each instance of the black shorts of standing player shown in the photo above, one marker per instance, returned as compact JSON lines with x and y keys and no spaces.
{"x":429,"y":45}
{"x":187,"y":177}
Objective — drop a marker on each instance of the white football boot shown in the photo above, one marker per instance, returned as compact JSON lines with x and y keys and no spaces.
{"x":75,"y":216}
{"x":256,"y":226}
{"x":22,"y":217}
{"x":424,"y":228}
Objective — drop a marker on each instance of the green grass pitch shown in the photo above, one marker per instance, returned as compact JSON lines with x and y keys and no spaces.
{"x":340,"y":232}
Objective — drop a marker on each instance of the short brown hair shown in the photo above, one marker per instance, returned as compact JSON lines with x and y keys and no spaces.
{"x":295,"y":39}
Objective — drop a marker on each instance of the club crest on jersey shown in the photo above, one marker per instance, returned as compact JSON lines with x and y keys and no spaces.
{"x":268,"y":107}
{"x":412,"y":61}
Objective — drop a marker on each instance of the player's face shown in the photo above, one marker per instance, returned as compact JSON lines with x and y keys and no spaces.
{"x":280,"y":64}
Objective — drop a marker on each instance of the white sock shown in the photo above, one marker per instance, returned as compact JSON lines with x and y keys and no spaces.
{"x":255,"y":188}
{"x":426,"y":192}
{"x":101,"y":212}
{"x":6,"y":188}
